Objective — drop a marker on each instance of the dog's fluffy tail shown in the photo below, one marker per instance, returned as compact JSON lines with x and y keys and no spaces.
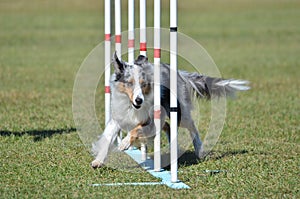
{"x":209,"y":87}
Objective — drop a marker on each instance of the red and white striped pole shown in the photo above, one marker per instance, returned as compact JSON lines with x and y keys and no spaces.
{"x":118,"y":38}
{"x":130,"y":31}
{"x":118,"y":41}
{"x":143,"y":51}
{"x":143,"y":21}
{"x":173,"y":89}
{"x":107,"y":59}
{"x":157,"y":111}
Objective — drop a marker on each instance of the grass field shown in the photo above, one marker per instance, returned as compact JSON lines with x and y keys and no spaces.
{"x":42,"y":44}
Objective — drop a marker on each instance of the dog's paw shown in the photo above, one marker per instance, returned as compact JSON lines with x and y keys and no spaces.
{"x":201,"y":153}
{"x":125,"y":144}
{"x":96,"y":164}
{"x":199,"y":148}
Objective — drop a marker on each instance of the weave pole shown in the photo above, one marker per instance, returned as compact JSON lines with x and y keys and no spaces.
{"x":143,"y":25}
{"x":118,"y":22}
{"x":143,"y":51}
{"x":107,"y":32}
{"x":118,"y":41}
{"x":173,"y":90}
{"x":157,"y":111}
{"x":130,"y":31}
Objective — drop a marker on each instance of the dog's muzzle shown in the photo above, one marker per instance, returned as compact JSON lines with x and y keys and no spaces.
{"x":138,"y":103}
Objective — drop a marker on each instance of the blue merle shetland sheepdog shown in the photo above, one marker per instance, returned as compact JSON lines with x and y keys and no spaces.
{"x":132,"y":103}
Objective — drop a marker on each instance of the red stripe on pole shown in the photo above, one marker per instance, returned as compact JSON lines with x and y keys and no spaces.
{"x":156,"y":53}
{"x":107,"y":37}
{"x":143,"y":46}
{"x":118,"y":39}
{"x":107,"y":89}
{"x":131,"y":43}
{"x":157,"y":114}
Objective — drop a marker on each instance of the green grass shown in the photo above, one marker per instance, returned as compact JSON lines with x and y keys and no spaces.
{"x":42,"y":45}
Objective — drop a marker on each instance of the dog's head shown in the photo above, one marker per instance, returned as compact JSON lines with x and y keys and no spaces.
{"x":134,"y":80}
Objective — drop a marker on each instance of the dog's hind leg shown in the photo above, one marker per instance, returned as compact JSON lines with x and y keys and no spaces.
{"x":102,"y":146}
{"x":166,"y":129}
{"x":190,"y":125}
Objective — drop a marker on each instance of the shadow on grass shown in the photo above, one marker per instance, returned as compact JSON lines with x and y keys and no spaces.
{"x":39,"y":135}
{"x":189,"y":158}
{"x":228,"y":153}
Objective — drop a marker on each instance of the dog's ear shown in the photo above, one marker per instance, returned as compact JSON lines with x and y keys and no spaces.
{"x":141,"y":60}
{"x":118,"y":65}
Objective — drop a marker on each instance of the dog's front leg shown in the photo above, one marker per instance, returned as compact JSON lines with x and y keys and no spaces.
{"x":106,"y":140}
{"x":131,"y":137}
{"x":138,"y":135}
{"x":125,"y":143}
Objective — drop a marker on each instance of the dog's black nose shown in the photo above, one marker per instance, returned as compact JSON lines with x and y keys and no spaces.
{"x":138,"y":101}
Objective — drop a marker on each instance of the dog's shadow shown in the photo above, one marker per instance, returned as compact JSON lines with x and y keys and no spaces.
{"x":189,"y":158}
{"x":38,"y":135}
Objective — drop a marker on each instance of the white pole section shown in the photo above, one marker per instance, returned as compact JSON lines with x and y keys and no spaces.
{"x":118,"y":41}
{"x":157,"y":110}
{"x":130,"y":31}
{"x":173,"y":89}
{"x":118,"y":38}
{"x":143,"y":21}
{"x":143,"y":49}
{"x":107,"y":30}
